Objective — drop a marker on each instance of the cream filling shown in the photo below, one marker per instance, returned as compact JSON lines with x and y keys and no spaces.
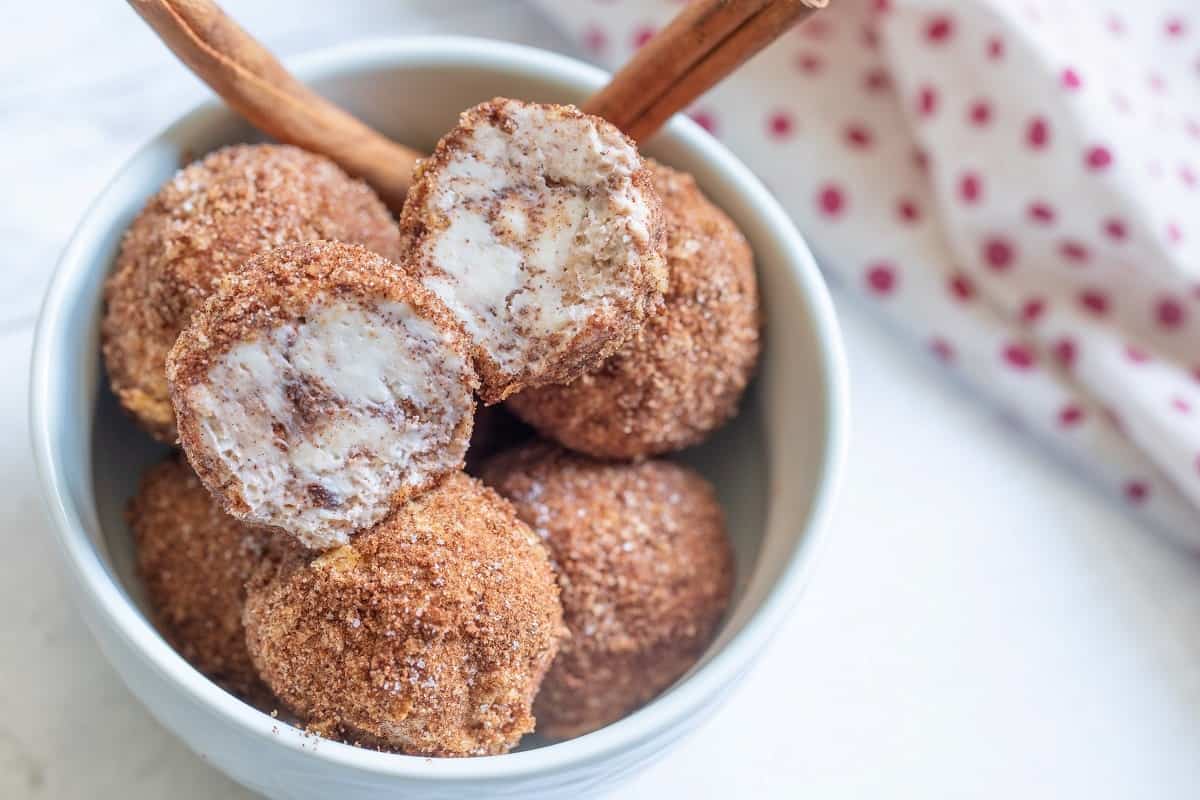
{"x":353,"y":402}
{"x":544,"y":226}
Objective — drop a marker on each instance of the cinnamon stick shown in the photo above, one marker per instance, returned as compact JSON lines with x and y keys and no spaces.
{"x":743,"y":43}
{"x":258,"y":87}
{"x":695,"y":32}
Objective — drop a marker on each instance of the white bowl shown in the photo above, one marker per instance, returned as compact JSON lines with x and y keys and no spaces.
{"x":777,"y":466}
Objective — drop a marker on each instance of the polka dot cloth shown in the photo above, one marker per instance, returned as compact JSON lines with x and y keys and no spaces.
{"x":1015,"y":184}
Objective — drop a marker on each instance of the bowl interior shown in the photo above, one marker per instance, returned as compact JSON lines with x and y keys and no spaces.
{"x":774,"y":465}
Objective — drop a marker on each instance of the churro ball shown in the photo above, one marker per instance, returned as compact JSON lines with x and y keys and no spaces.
{"x":646,"y":571}
{"x":194,"y":561}
{"x":204,"y":223}
{"x":318,"y":388}
{"x":429,"y":634}
{"x":682,"y":375}
{"x":539,"y":227}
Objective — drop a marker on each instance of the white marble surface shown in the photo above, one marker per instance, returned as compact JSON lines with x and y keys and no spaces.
{"x":982,"y":625}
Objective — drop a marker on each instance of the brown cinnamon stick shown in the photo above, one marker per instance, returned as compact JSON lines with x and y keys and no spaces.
{"x":743,"y":43}
{"x":695,"y":32}
{"x":258,"y":87}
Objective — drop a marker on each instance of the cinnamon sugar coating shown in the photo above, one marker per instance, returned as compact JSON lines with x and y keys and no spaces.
{"x":208,"y":221}
{"x":682,"y":375}
{"x":194,"y":561}
{"x":539,"y":227}
{"x":320,"y":387}
{"x":428,"y":635}
{"x":646,"y":571}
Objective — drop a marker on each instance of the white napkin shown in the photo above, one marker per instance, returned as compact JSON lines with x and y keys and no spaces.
{"x":1015,"y":185}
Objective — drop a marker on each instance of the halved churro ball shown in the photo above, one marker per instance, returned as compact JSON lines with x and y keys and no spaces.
{"x":194,"y":561}
{"x":428,"y":634}
{"x":682,"y":375}
{"x":320,"y":387}
{"x":646,"y":571}
{"x":539,"y":227}
{"x":205,"y":222}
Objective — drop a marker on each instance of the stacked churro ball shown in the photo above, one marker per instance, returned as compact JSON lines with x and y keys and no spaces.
{"x":682,"y":375}
{"x":194,"y":561}
{"x":319,"y":365}
{"x":203,"y":224}
{"x":646,"y":571}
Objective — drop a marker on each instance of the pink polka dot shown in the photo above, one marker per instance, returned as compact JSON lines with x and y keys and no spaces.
{"x":1169,"y":313}
{"x":642,"y":35}
{"x":1071,"y":79}
{"x":995,"y":48}
{"x":1074,"y":251}
{"x":1196,"y":374}
{"x":939,"y":29}
{"x":927,"y":101}
{"x":1094,"y":300}
{"x":1121,"y":103}
{"x":1098,"y":157}
{"x":1175,"y":27}
{"x":970,"y":188}
{"x":1032,"y":309}
{"x":595,"y":40}
{"x":1019,"y":356}
{"x":1156,"y":82}
{"x":1187,"y":176}
{"x":857,"y":136}
{"x":877,"y":79}
{"x":1037,"y":134}
{"x":980,"y":113}
{"x":831,"y":200}
{"x":881,"y":278}
{"x":961,"y":287}
{"x":870,"y":37}
{"x":920,"y":159}
{"x":1181,"y":405}
{"x":882,"y":6}
{"x":809,"y":62}
{"x":1069,"y":416}
{"x":1136,"y":354}
{"x":907,"y":210}
{"x":1192,"y":127}
{"x":780,"y":125}
{"x":1115,"y":229}
{"x":942,"y":349}
{"x":816,"y":29}
{"x":1065,"y":352}
{"x":705,"y":119}
{"x":998,"y":253}
{"x":1115,"y":25}
{"x":1174,"y":233}
{"x":1137,"y":491}
{"x":1041,"y":212}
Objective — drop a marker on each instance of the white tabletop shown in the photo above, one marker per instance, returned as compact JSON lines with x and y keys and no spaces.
{"x":982,"y":623}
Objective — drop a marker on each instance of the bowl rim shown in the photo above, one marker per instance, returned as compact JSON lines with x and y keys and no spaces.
{"x":100,"y":589}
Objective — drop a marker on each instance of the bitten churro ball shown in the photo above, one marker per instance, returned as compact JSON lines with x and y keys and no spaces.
{"x":206,"y":222}
{"x":194,"y":561}
{"x":682,"y":375}
{"x":320,"y":387}
{"x":540,"y":229}
{"x":646,"y":571}
{"x":429,"y":634}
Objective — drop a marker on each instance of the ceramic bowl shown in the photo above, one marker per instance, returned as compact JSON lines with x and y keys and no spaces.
{"x":776,"y":465}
